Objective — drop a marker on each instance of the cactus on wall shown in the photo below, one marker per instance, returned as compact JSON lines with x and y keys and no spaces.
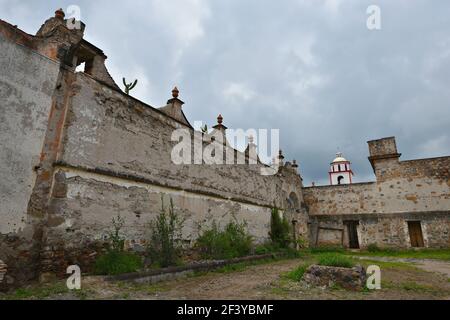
{"x":129,"y":86}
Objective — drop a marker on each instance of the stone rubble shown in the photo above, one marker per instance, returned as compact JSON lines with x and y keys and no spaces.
{"x":329,"y":277}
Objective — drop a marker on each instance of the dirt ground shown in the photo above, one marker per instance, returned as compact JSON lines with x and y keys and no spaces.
{"x":401,"y":279}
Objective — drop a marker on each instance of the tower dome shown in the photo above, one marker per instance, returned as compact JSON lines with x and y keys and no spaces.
{"x":340,"y":171}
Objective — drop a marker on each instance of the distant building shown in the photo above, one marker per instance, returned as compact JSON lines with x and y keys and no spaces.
{"x":340,"y":171}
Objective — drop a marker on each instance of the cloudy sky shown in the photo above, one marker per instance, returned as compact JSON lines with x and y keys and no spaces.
{"x":310,"y":68}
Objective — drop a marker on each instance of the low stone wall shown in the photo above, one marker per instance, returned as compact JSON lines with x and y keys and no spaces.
{"x":158,"y":275}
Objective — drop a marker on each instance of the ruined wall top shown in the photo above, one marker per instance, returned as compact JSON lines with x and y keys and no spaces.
{"x":62,"y":40}
{"x":385,"y":147}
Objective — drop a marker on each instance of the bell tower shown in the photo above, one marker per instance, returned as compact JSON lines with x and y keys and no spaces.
{"x":340,"y":171}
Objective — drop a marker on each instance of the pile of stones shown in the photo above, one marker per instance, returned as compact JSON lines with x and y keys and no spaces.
{"x":329,"y":277}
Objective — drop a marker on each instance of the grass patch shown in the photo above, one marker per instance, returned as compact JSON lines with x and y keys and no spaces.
{"x":146,"y":288}
{"x":241,"y":266}
{"x":280,"y":291}
{"x":416,"y":287}
{"x":335,"y":260}
{"x":113,"y":263}
{"x":437,"y":254}
{"x":391,"y":265}
{"x":297,"y":273}
{"x":38,"y":293}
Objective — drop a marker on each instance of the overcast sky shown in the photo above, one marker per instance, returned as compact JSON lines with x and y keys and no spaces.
{"x":310,"y":68}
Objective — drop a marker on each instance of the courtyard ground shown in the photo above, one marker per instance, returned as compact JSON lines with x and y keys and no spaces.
{"x":402,"y":278}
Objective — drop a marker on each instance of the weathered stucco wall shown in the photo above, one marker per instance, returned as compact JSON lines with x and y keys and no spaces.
{"x":84,"y":204}
{"x":27,"y":81}
{"x":116,"y":160}
{"x":108,"y":131}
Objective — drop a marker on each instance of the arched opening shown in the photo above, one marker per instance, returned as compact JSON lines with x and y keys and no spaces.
{"x":293,"y":202}
{"x":339,"y":179}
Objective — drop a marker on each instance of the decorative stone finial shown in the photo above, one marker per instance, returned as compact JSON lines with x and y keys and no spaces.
{"x":294,"y":163}
{"x":175,"y":92}
{"x":251,"y":139}
{"x":339,"y":154}
{"x":280,"y":155}
{"x":219,"y":125}
{"x":59,"y":14}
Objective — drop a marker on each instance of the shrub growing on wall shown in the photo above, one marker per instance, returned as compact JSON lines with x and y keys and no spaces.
{"x":116,"y":261}
{"x":164,"y":249}
{"x":280,"y":230}
{"x":231,"y":242}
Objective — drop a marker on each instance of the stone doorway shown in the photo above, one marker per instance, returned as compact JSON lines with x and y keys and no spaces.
{"x":415,"y":234}
{"x":352,"y":230}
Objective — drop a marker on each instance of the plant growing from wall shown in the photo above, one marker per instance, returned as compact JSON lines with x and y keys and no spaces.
{"x":116,"y":260}
{"x":129,"y":86}
{"x":164,"y":249}
{"x":231,"y":242}
{"x":280,"y":234}
{"x":116,"y":240}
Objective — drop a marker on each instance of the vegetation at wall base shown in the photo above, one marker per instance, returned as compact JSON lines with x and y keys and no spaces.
{"x":116,"y":262}
{"x":231,"y":242}
{"x":164,"y":249}
{"x":280,"y":230}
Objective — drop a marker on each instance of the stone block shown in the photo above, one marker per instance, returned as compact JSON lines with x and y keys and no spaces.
{"x":347,"y":278}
